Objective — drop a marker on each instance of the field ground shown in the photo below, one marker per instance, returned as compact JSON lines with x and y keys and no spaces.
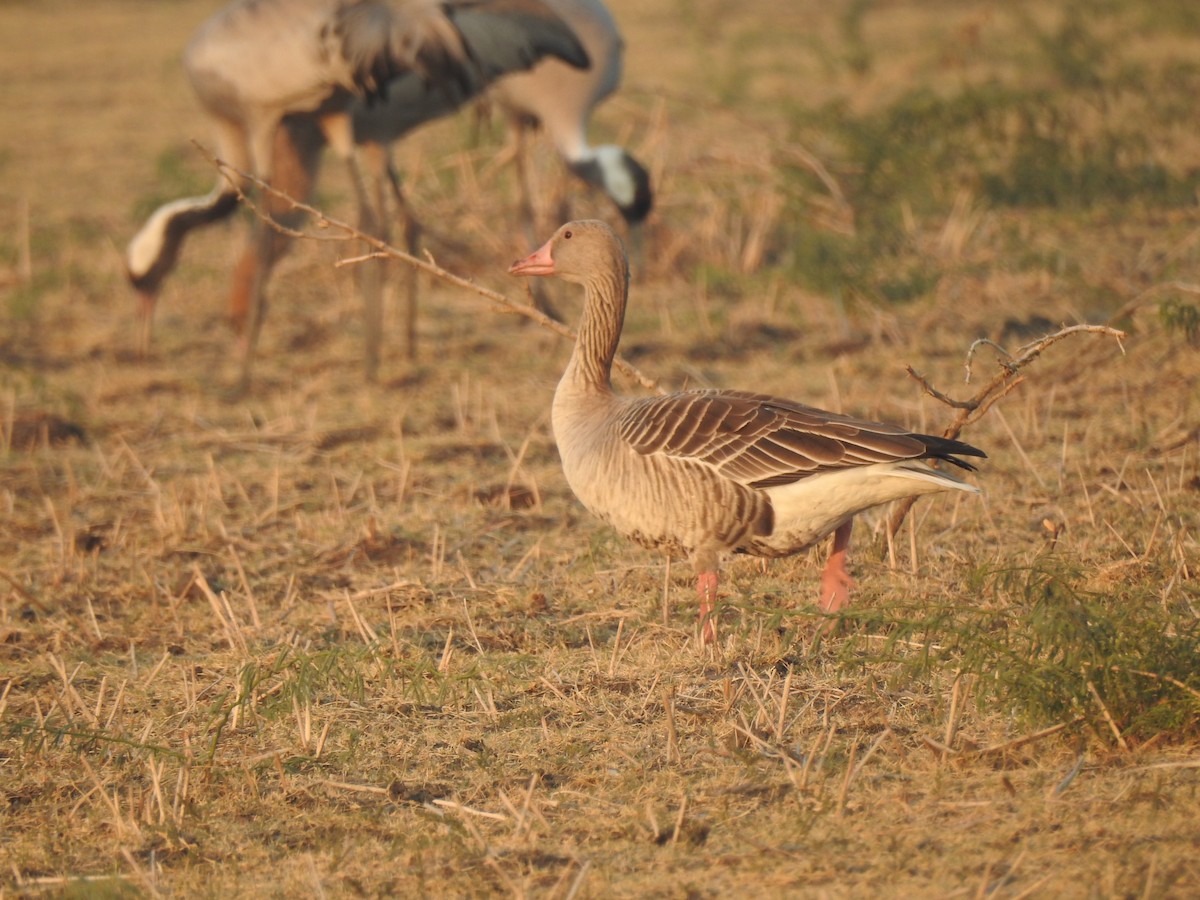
{"x":341,"y":639}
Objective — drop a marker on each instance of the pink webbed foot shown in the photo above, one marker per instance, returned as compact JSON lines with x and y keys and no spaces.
{"x":835,"y":589}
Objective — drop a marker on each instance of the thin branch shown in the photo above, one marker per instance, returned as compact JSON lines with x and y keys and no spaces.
{"x":1029,"y":738}
{"x":383,"y":250}
{"x":1005,"y":356}
{"x":28,"y":597}
{"x":1167,"y":678}
{"x":1001,"y":384}
{"x":935,"y":393}
{"x":1033,"y":350}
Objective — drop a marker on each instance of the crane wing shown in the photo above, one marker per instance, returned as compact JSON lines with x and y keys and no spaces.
{"x":460,"y":47}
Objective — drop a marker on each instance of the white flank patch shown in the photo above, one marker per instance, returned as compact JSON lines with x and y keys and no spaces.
{"x":810,"y":508}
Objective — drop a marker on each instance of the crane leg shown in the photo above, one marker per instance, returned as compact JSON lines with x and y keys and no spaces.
{"x":290,"y":166}
{"x":262,"y":239}
{"x":370,"y":272}
{"x":412,"y":246}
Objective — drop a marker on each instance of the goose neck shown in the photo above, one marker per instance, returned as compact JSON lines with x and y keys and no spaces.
{"x":605,"y":295}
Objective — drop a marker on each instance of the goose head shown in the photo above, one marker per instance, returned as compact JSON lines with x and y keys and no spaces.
{"x":579,"y":252}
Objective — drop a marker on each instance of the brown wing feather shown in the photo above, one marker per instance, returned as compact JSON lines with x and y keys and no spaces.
{"x":762,"y":441}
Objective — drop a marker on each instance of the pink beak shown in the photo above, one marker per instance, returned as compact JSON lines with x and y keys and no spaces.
{"x":540,"y":262}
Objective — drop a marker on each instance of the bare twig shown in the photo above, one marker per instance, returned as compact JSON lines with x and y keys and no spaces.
{"x":1167,"y":678}
{"x":1007,"y":379}
{"x":382,"y":250}
{"x":24,"y":594}
{"x":1031,"y":351}
{"x":673,"y":755}
{"x":1112,"y":725}
{"x":1026,"y":739}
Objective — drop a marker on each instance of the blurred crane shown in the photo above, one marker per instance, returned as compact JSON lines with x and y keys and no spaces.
{"x":555,"y":95}
{"x":560,"y":100}
{"x":257,"y":61}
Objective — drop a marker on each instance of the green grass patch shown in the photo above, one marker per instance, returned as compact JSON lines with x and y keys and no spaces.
{"x":1048,"y":649}
{"x":1181,"y":318}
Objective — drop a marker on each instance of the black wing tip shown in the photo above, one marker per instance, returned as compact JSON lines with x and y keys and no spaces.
{"x":961,"y":463}
{"x":948,"y":450}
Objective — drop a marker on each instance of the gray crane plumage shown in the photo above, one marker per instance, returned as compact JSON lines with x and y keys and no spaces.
{"x":560,"y":100}
{"x":714,"y":471}
{"x":257,"y":61}
{"x":555,"y":94}
{"x":552,"y":94}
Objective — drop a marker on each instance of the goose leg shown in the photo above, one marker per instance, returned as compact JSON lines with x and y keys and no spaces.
{"x":835,"y":580}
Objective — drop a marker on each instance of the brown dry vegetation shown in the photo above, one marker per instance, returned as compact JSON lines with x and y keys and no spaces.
{"x":346,"y":639}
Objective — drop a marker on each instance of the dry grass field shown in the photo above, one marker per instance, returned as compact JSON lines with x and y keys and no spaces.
{"x":347,"y":639}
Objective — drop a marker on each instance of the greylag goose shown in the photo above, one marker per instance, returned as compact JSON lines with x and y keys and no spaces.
{"x":706,"y":472}
{"x":257,"y":61}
